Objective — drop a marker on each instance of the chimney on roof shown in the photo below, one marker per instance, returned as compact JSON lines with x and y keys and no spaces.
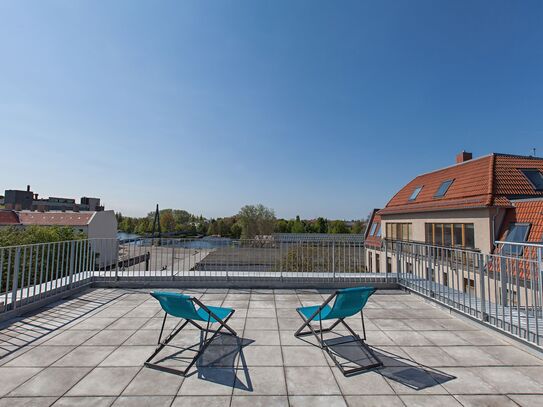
{"x":28,"y":188}
{"x":463,"y":157}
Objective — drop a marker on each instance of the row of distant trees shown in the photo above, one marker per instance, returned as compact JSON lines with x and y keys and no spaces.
{"x":15,"y":236}
{"x":250,"y":221}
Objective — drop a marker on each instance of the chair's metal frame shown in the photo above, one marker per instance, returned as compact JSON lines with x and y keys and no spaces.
{"x":318,"y":333}
{"x":203,"y":345}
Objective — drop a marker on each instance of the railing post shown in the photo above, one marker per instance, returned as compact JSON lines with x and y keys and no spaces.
{"x":386,"y":261}
{"x":15,"y":281}
{"x":281,"y":260}
{"x":333,"y":260}
{"x":399,"y":259}
{"x":482,"y":262}
{"x":540,"y":277}
{"x":430,"y":273}
{"x":72,"y":263}
{"x":173,"y":257}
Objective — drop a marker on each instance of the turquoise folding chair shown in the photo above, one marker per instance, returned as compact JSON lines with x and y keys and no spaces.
{"x":183,"y":306}
{"x":348,"y":302}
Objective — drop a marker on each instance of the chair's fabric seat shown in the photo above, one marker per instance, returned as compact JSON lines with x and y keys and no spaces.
{"x":220,"y":312}
{"x":181,"y":306}
{"x":310,"y":310}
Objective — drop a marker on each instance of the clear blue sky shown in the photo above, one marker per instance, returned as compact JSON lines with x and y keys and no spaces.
{"x":311,"y":108}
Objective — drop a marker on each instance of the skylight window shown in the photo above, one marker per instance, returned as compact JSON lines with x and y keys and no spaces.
{"x":415,"y":193}
{"x":535,"y":177}
{"x":518,"y":233}
{"x":443,"y":188}
{"x":378,"y":233}
{"x":372,"y":231}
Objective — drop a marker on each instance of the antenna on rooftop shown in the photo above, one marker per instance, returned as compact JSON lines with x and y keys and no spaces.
{"x":156,"y":224}
{"x":534,"y":151}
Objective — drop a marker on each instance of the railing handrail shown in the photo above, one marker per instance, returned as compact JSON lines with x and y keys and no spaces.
{"x":527,"y":244}
{"x":59,"y":241}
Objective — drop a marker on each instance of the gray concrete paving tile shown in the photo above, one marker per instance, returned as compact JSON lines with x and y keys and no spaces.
{"x":370,"y":382}
{"x":207,"y":401}
{"x":261,"y":337}
{"x":374,"y":401}
{"x":143,"y":401}
{"x":152,"y":382}
{"x":509,"y":355}
{"x":485,"y":400}
{"x":430,"y":401}
{"x":263,"y":355}
{"x":265,"y":324}
{"x":104,"y":381}
{"x":430,"y":356}
{"x":261,"y":313}
{"x":470,"y":356}
{"x":27,"y":401}
{"x":109,"y":337}
{"x":12,"y":377}
{"x":320,"y":382}
{"x":527,"y":400}
{"x":210,"y":382}
{"x":132,"y":323}
{"x":508,"y":380}
{"x":467,"y":381}
{"x":128,"y":356}
{"x":84,"y":402}
{"x":53,"y":381}
{"x":85,"y":356}
{"x":40,"y":356}
{"x":303,"y":356}
{"x":94,"y":323}
{"x":257,"y":381}
{"x":71,"y":337}
{"x":317,"y":401}
{"x":259,"y":401}
{"x":412,"y":338}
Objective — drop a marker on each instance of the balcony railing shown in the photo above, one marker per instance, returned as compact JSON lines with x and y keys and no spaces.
{"x":500,"y":289}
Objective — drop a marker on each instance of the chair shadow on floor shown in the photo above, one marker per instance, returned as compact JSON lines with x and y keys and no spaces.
{"x":395,"y":367}
{"x":220,"y":363}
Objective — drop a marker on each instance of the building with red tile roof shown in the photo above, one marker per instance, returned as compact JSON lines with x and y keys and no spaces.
{"x":489,"y":181}
{"x":100,"y":224}
{"x":372,"y":236}
{"x":528,"y":212}
{"x":462,"y":205}
{"x":8,"y":218}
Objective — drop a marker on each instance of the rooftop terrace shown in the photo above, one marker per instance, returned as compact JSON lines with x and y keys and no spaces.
{"x":88,"y":350}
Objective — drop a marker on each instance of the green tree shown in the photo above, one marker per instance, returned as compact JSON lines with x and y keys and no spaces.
{"x":14,"y":236}
{"x":357,"y":227}
{"x":321,"y":225}
{"x":297,"y":226}
{"x":236,"y":230}
{"x":256,"y":220}
{"x":282,"y":226}
{"x":337,"y":226}
{"x":167,"y":221}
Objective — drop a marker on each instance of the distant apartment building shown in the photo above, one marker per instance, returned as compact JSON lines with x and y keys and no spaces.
{"x":99,"y":226}
{"x":28,"y":200}
{"x":469,"y":205}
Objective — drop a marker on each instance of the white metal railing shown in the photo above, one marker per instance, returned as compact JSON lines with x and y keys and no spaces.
{"x":32,"y":273}
{"x":503,"y":289}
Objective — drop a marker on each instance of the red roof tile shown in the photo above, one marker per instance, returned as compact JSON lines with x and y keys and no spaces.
{"x":530,"y":211}
{"x":55,"y":218}
{"x":8,"y":218}
{"x":486,"y":181}
{"x":373,"y":241}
